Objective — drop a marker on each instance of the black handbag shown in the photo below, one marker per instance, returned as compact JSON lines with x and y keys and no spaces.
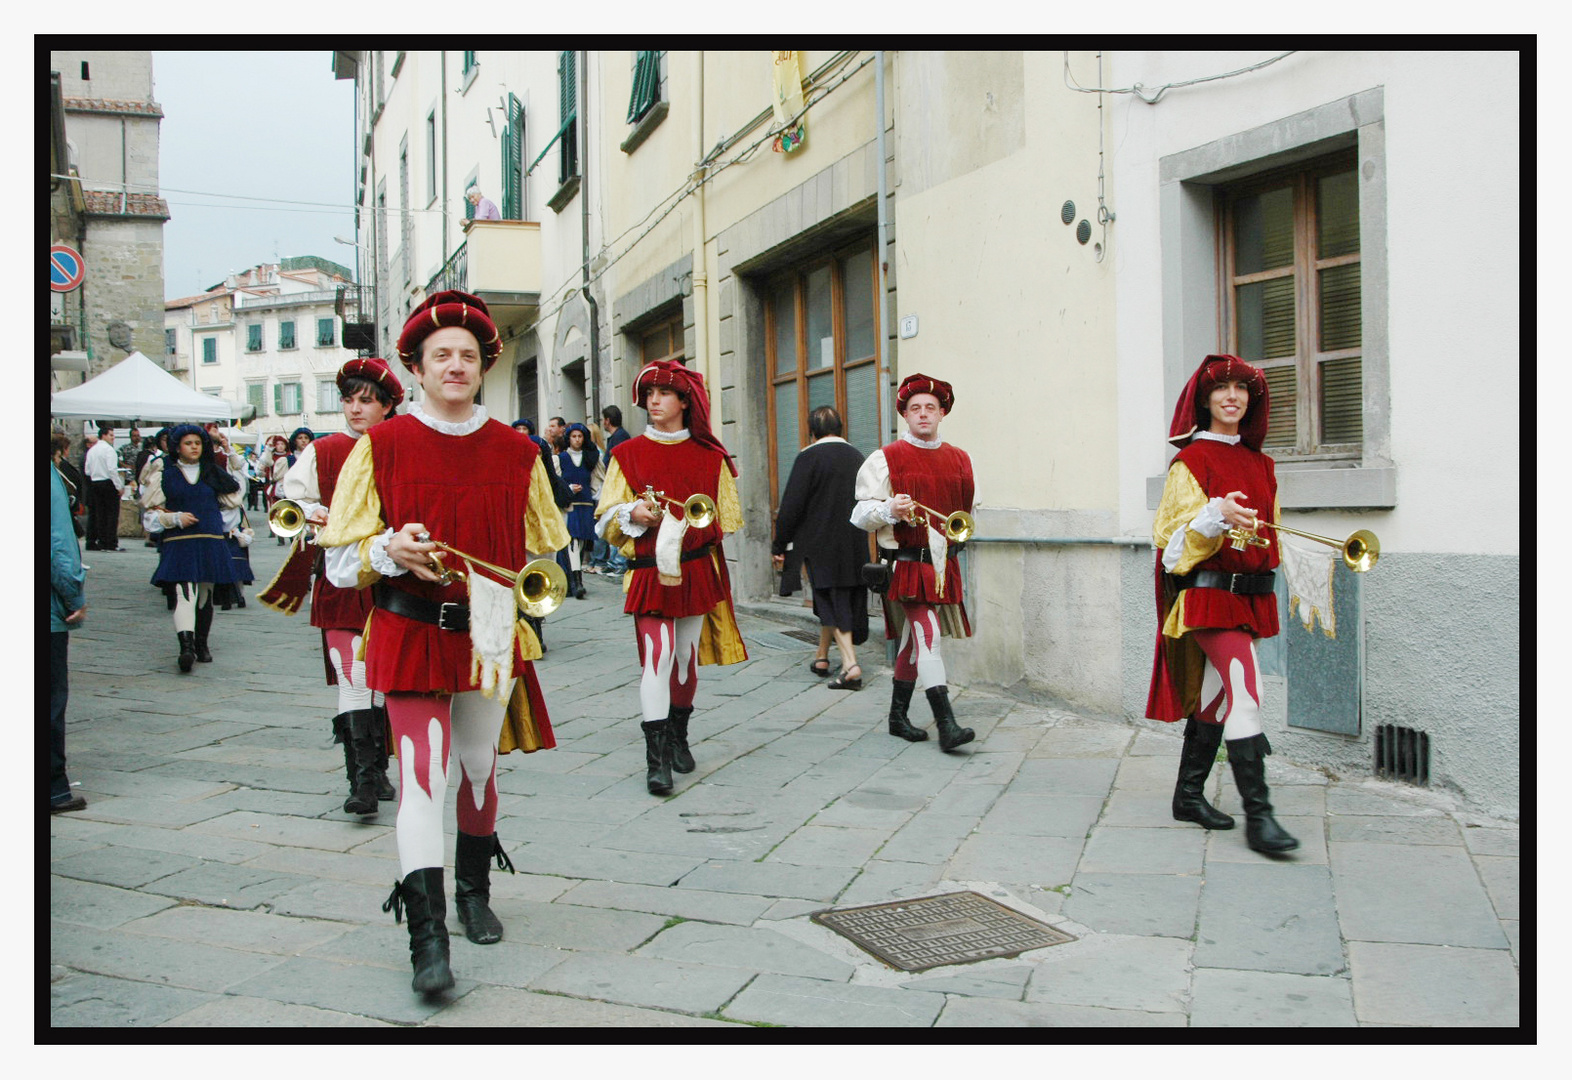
{"x":876,"y":575}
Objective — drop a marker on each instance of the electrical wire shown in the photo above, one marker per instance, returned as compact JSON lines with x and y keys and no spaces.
{"x":1138,"y":88}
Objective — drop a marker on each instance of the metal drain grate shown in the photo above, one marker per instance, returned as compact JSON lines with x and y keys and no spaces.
{"x":1402,"y":754}
{"x":933,"y":931}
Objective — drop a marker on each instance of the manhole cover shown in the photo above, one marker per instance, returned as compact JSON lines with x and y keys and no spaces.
{"x":930,"y":932}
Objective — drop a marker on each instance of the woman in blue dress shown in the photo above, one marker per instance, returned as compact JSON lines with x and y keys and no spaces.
{"x":185,"y":502}
{"x":582,"y":473}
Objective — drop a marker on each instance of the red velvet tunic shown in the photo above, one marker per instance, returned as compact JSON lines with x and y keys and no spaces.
{"x":942,"y":479}
{"x":1220,"y":468}
{"x":680,"y":470}
{"x":333,"y":608}
{"x":471,"y":492}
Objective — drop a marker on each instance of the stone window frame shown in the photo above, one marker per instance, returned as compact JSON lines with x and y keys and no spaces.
{"x":1188,"y":186}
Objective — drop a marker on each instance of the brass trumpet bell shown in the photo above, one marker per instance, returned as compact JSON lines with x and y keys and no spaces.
{"x":540,"y":588}
{"x":1360,"y":551}
{"x":958,"y":527}
{"x":699,"y":511}
{"x":286,"y":518}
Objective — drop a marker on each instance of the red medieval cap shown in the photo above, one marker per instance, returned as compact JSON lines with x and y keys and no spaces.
{"x":1192,"y":413}
{"x":376,"y":369}
{"x":445,"y":309}
{"x":674,"y":376}
{"x":923,"y":384}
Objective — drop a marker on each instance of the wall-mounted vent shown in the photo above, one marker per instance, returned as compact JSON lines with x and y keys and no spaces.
{"x":1402,"y":754}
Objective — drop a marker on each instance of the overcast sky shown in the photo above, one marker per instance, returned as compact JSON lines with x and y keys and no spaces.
{"x":251,"y":128}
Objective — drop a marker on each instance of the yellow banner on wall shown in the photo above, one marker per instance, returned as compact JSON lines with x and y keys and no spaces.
{"x":788,"y":102}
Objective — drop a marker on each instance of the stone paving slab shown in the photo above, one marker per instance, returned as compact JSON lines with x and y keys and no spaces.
{"x":968,"y":1012}
{"x":1153,"y":773}
{"x":260,"y":1012}
{"x":564,"y":926}
{"x":386,"y":944}
{"x":1485,"y":841}
{"x":754,"y":948}
{"x":97,"y":1001}
{"x":244,"y":930}
{"x":382,"y":993}
{"x":858,"y":810}
{"x":1066,"y":776}
{"x":770,"y":879}
{"x":1269,"y":917}
{"x":1083,"y":739}
{"x":797,"y":1002}
{"x":1049,"y":860}
{"x":328,"y":866}
{"x":815,"y":845}
{"x":1370,"y":800}
{"x":100,"y":906}
{"x":1043,"y":815}
{"x":929,"y":838}
{"x":1162,"y":905}
{"x":227,"y":885}
{"x":1261,"y":999}
{"x":880,"y":881}
{"x":1004,"y":983}
{"x":286,"y":802}
{"x":1144,"y":851}
{"x":513,"y":829}
{"x":503,"y":1008}
{"x":602,"y":863}
{"x":310,"y":781}
{"x":966,"y":799}
{"x":289,"y":831}
{"x":122,"y":954}
{"x":141,"y":810}
{"x":1139,"y":974}
{"x":109,"y":782}
{"x":684,"y":903}
{"x":340,"y":901}
{"x":1229,"y":845}
{"x":1500,"y":875}
{"x":645,"y":982}
{"x":1430,"y":986}
{"x":1423,"y":895}
{"x":1393,"y":830}
{"x":127,"y":868}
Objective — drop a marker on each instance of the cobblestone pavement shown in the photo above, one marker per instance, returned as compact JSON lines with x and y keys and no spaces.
{"x":215,"y":880}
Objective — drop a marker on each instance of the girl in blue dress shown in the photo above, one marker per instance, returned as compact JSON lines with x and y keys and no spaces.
{"x":581,"y":472}
{"x":185,"y":502}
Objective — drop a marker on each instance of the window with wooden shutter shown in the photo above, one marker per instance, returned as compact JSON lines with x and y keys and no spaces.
{"x":286,"y":334}
{"x":513,"y":162}
{"x":254,"y":337}
{"x":1292,"y":271}
{"x":325,"y":332}
{"x":256,"y":397}
{"x":646,"y":84}
{"x":821,"y":348}
{"x":567,"y":113}
{"x":210,"y":350}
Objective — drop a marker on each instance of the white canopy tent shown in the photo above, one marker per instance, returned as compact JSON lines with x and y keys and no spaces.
{"x":138,"y":389}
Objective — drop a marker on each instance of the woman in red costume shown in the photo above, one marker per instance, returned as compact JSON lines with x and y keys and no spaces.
{"x":1214,"y":592}
{"x":678,"y":591}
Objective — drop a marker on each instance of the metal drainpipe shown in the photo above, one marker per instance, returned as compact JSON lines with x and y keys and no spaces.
{"x":584,"y":195}
{"x":701,"y":279}
{"x":880,"y":378}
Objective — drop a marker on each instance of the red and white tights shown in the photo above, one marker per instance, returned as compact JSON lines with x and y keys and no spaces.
{"x":669,"y":655}
{"x":353,"y":693}
{"x":429,"y":729}
{"x":918,"y":657}
{"x":1231,"y":683}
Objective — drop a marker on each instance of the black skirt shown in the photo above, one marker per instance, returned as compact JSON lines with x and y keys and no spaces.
{"x":844,"y":608}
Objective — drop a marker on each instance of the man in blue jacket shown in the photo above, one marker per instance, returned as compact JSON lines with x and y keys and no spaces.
{"x":67,"y":606}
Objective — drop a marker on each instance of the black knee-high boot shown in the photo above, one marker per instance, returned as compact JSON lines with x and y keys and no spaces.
{"x":420,"y":896}
{"x":204,"y":623}
{"x":900,"y":701}
{"x":342,"y":734}
{"x":577,"y":585}
{"x":1195,"y":765}
{"x":1262,"y":832}
{"x":677,"y":721}
{"x":472,"y":886}
{"x":380,"y":730}
{"x":951,"y":734}
{"x":187,"y":649}
{"x":363,"y":799}
{"x":658,"y":755}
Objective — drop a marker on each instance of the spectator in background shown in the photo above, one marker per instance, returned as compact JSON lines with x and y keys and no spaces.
{"x":59,"y":444}
{"x":482,"y":208}
{"x":67,"y":607}
{"x":556,"y":432}
{"x":102,"y":469}
{"x":607,"y":558}
{"x":561,"y":495}
{"x":815,"y":519}
{"x":128,"y":455}
{"x":150,"y":460}
{"x":582,"y":472}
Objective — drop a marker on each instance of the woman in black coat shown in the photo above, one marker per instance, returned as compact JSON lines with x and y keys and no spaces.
{"x":815,"y":520}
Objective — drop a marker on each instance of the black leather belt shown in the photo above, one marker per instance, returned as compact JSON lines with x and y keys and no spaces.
{"x":908,"y":554}
{"x":453,"y":617}
{"x":687,"y":556}
{"x":1242,"y":584}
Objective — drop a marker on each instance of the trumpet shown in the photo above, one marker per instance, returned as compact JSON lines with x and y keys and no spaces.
{"x":538,"y":589}
{"x":958,"y":527}
{"x":1360,"y":550}
{"x":287,"y":518}
{"x":698,"y":510}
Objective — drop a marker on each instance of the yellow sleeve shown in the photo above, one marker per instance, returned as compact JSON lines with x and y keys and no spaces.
{"x":727,"y":506}
{"x":544,"y":529}
{"x":614,"y":492}
{"x":1183,"y":498}
{"x":355,"y":516}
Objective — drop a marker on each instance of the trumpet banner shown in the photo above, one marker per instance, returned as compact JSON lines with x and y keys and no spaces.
{"x":292,"y":584}
{"x":1309,"y":569}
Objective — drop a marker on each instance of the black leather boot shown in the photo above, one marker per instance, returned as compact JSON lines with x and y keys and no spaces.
{"x":379,"y":729}
{"x":538,"y":625}
{"x":420,"y":896}
{"x":204,"y":623}
{"x":900,"y":701}
{"x":578,"y":585}
{"x":472,"y":886}
{"x":341,"y":734}
{"x":677,"y":721}
{"x":951,"y":734}
{"x":363,"y":798}
{"x":657,"y":755}
{"x":187,"y":649}
{"x":1195,"y":765}
{"x":1262,"y":832}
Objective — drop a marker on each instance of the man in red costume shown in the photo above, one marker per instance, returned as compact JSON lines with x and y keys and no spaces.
{"x":678,"y":591}
{"x":925,"y":583}
{"x":454,"y":663}
{"x":369,"y":393}
{"x":1214,"y":592}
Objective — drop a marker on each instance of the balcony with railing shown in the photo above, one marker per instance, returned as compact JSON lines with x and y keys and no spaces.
{"x":502,"y":266}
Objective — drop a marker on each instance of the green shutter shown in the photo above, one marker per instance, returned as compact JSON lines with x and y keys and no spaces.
{"x":513,"y":162}
{"x":567,"y":101}
{"x":646,"y":84}
{"x":278,"y":399}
